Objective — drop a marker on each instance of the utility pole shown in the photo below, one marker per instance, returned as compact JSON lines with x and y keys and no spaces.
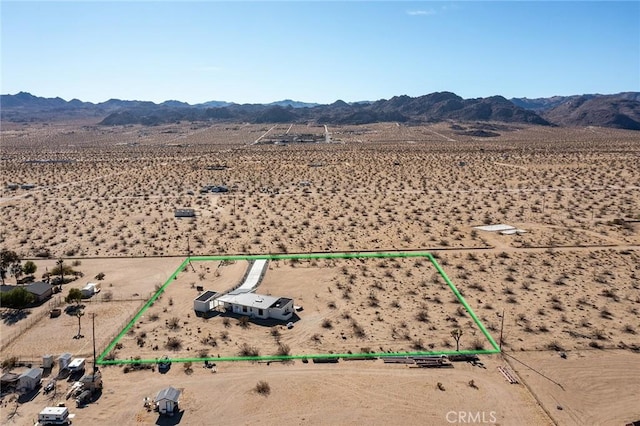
{"x":189,"y":254}
{"x":501,"y":329}
{"x":93,"y":326}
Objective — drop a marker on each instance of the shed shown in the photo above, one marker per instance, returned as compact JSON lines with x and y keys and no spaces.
{"x":64,"y":360}
{"x":30,"y":379}
{"x":47,"y":361}
{"x":167,"y":400}
{"x":204,"y":302}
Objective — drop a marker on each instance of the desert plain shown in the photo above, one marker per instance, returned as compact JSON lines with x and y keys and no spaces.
{"x":562,"y":298}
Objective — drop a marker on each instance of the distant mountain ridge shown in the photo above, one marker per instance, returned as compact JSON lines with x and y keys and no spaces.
{"x":620,"y":110}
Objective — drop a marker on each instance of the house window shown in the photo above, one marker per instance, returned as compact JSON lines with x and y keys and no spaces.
{"x":260,"y":312}
{"x":244,"y":309}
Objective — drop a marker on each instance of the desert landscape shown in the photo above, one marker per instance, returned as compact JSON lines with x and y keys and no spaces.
{"x":561,"y":295}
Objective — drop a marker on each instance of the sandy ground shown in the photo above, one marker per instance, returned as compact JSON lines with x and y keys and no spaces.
{"x":570,"y":284}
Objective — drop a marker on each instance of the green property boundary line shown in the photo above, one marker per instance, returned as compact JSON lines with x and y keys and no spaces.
{"x":366,"y":255}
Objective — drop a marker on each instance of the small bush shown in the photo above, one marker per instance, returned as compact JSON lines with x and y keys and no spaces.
{"x":173,"y":323}
{"x":263,"y":388}
{"x":246,"y":350}
{"x":173,"y":343}
{"x":326,"y":323}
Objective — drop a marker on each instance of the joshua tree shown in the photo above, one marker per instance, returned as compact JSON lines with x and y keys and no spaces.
{"x":79,"y":314}
{"x":457,"y":334}
{"x":60,"y":264}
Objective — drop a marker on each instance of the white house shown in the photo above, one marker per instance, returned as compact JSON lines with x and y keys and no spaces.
{"x":205,"y":302}
{"x":258,"y":305}
{"x":167,"y":400}
{"x":29,"y":380}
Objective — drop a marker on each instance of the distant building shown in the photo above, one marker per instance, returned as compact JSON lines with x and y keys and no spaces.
{"x":185,"y":213}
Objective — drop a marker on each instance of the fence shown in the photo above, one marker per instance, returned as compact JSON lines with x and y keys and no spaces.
{"x":31,"y":320}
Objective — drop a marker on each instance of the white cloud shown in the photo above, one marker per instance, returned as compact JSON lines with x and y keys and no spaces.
{"x":421,"y":12}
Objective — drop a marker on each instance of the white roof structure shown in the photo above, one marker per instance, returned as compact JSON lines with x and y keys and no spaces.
{"x":501,"y":228}
{"x":170,"y":393}
{"x":53,"y":411}
{"x":495,"y":228}
{"x":250,"y":299}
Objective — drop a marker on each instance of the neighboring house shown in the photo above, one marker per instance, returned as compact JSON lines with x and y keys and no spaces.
{"x":205,"y":302}
{"x":167,"y":400}
{"x":41,"y":290}
{"x":258,"y":305}
{"x":29,"y":380}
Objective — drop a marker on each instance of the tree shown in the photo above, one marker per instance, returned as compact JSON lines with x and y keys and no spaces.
{"x":75,"y":295}
{"x":29,"y":268}
{"x":60,"y":264}
{"x":18,"y":298}
{"x":8,"y":261}
{"x":457,"y":334}
{"x":79,"y":314}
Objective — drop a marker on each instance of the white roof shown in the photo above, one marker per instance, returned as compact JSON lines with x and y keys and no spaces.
{"x":250,"y":299}
{"x":513,"y":231}
{"x":495,"y":228}
{"x":54,"y":410}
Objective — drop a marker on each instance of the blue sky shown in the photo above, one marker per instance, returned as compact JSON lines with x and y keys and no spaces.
{"x":255,"y":52}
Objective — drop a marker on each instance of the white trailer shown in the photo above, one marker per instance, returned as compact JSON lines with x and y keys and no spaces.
{"x":54,"y":416}
{"x":76,"y":364}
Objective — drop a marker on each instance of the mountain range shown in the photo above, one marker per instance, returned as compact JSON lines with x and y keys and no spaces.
{"x":618,"y":111}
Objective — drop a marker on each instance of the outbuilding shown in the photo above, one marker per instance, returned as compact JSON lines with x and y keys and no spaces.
{"x":29,"y":380}
{"x":205,"y":302}
{"x":167,"y":400}
{"x":64,"y":360}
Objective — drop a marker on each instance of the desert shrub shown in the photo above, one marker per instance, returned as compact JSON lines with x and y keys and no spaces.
{"x":173,"y":323}
{"x":107,"y":296}
{"x":358,"y":330}
{"x":100,"y":276}
{"x":275,"y":333}
{"x":477,"y":344}
{"x":263,"y":388}
{"x":188,"y":367}
{"x":173,"y":343}
{"x":423,"y":314}
{"x":555,"y":346}
{"x":226,"y":322}
{"x":326,"y":323}
{"x":247,"y":350}
{"x":243,"y":322}
{"x":283,"y":350}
